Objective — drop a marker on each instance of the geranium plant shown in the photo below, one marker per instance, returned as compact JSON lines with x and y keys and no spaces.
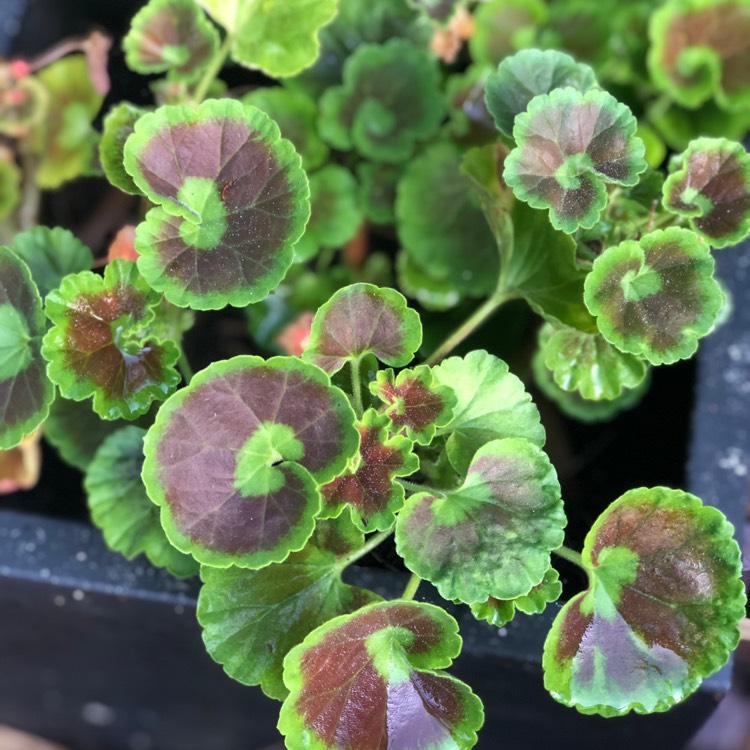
{"x":501,"y":171}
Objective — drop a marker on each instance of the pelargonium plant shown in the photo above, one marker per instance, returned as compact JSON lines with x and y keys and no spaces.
{"x":478,"y":161}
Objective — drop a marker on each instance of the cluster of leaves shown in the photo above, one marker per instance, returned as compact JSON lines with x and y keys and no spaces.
{"x":517,"y":176}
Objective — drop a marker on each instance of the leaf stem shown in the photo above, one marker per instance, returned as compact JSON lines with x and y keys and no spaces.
{"x":414,"y":487}
{"x":366,"y":548}
{"x":356,"y":386}
{"x":411,"y":587}
{"x":184,"y":367}
{"x":570,"y":555}
{"x":473,"y":322}
{"x":212,"y":71}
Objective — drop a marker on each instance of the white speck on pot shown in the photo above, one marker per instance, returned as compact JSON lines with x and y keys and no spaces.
{"x":81,"y":556}
{"x":59,"y":600}
{"x":78,"y":595}
{"x":140,"y":741}
{"x":29,"y":546}
{"x":502,"y":632}
{"x":44,"y":573}
{"x":734,"y":460}
{"x":98,"y":714}
{"x":15,"y":533}
{"x":178,"y":609}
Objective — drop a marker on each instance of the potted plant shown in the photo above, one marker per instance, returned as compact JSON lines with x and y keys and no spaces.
{"x":485,"y":181}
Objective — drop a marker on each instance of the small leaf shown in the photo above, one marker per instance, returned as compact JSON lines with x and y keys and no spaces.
{"x":712,"y":188}
{"x":99,"y":343}
{"x":414,"y":402}
{"x":499,"y":612}
{"x":170,"y":36}
{"x":657,"y":296}
{"x":252,"y":618}
{"x":120,"y":506}
{"x":504,"y":26}
{"x":10,"y":186}
{"x":118,"y":125}
{"x":296,"y":114}
{"x":369,"y":681}
{"x":419,"y":285}
{"x":23,"y":105}
{"x":335,"y":214}
{"x":25,"y":391}
{"x":491,"y":403}
{"x":370,"y":491}
{"x":506,"y":518}
{"x":661,"y":612}
{"x":234,"y":200}
{"x":235,"y":458}
{"x":66,"y":140}
{"x":440,"y":223}
{"x":389,"y":100}
{"x":51,"y":255}
{"x":586,"y":363}
{"x":279,"y":37}
{"x":570,"y":145}
{"x":699,"y":50}
{"x":529,"y":73}
{"x":364,"y":319}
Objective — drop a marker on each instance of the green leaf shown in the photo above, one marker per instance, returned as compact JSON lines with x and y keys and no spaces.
{"x":25,"y":391}
{"x":10,"y":186}
{"x":170,"y":36}
{"x":504,"y":26}
{"x":661,"y":612}
{"x":699,"y":50}
{"x":120,"y":506}
{"x":389,"y":100}
{"x":370,"y":490}
{"x":335,"y":215}
{"x":491,"y":403}
{"x":712,"y":188}
{"x":252,"y":618}
{"x":655,"y":297}
{"x":279,"y":37}
{"x":235,"y":458}
{"x":469,"y":120}
{"x":586,"y":363}
{"x":439,"y":217}
{"x":377,"y":190}
{"x":369,"y":681}
{"x":364,"y":319}
{"x":439,"y":11}
{"x":415,"y":403}
{"x":570,"y":145}
{"x":573,"y":405}
{"x":529,"y":73}
{"x":296,"y":114}
{"x":65,"y":140}
{"x":499,"y":612}
{"x":100,"y":345}
{"x":506,"y":518}
{"x":118,"y":125}
{"x":233,"y":201}
{"x":51,"y":255}
{"x":23,"y":106}
{"x":419,"y":285}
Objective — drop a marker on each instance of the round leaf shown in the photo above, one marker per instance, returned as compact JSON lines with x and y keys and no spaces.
{"x":120,"y":506}
{"x":252,"y":618}
{"x":51,"y":254}
{"x":368,"y":680}
{"x":370,"y":491}
{"x":118,"y":125}
{"x":170,"y":36}
{"x":491,"y":403}
{"x":25,"y":391}
{"x":389,"y":100}
{"x":235,"y":458}
{"x":364,"y":319}
{"x":234,"y":200}
{"x":506,"y":518}
{"x":570,"y":145}
{"x":712,"y":187}
{"x":661,"y":612}
{"x":99,"y":344}
{"x":655,"y":297}
{"x":529,"y":73}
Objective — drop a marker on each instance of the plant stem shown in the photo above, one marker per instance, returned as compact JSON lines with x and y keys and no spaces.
{"x":414,"y":487}
{"x":478,"y":317}
{"x":570,"y":555}
{"x":184,"y":367}
{"x":366,"y":548}
{"x":411,"y":587}
{"x":212,"y":71}
{"x":356,"y":386}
